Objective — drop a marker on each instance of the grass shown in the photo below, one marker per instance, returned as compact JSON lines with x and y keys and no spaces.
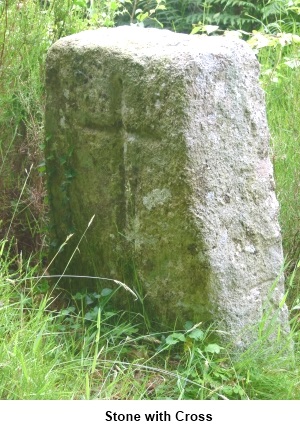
{"x":55,"y":346}
{"x":283,"y":111}
{"x":81,"y":348}
{"x":283,"y":115}
{"x":27,"y":29}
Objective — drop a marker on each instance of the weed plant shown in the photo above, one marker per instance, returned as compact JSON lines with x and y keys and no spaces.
{"x":280,"y":78}
{"x":79,"y":347}
{"x":27,"y":29}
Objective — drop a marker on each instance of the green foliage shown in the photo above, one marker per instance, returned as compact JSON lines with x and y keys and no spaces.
{"x":141,"y":12}
{"x":27,"y":30}
{"x":56,"y":346}
{"x":182,"y":15}
{"x":282,"y":95}
{"x":60,"y":347}
{"x":278,"y":53}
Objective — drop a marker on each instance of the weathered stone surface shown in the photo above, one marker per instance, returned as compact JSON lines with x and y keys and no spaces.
{"x":164,"y":138}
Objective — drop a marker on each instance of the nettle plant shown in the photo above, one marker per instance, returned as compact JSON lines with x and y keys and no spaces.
{"x":275,"y":39}
{"x":282,"y":49}
{"x":285,"y":53}
{"x":203,"y":365}
{"x":141,"y":13}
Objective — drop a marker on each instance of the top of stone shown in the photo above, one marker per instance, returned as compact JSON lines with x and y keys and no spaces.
{"x":151,"y":41}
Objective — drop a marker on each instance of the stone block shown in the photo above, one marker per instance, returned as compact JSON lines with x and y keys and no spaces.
{"x":163,"y":137}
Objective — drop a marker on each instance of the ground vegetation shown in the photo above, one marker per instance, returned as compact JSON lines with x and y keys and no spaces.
{"x":58,"y":346}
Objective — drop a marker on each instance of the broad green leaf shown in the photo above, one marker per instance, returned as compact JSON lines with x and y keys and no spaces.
{"x":81,"y":3}
{"x":210,"y":28}
{"x":296,"y":38}
{"x":196,"y":334}
{"x":196,"y":29}
{"x":188,"y":325}
{"x":68,"y":310}
{"x":79,"y":296}
{"x":89,"y":300}
{"x":213,"y":348}
{"x":174,"y":338}
{"x":143,"y":16}
{"x":106,"y":292}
